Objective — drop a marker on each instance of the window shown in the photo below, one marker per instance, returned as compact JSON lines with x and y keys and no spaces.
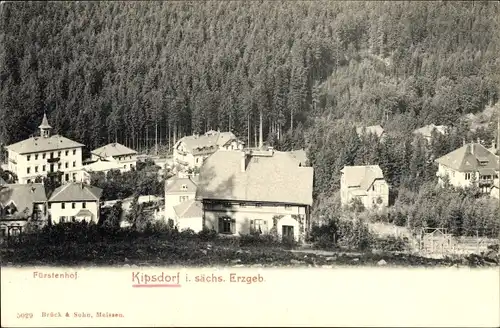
{"x":243,"y":205}
{"x":74,"y":151}
{"x":373,"y":187}
{"x":183,"y":198}
{"x":227,"y":225}
{"x":49,"y":205}
{"x":197,"y":160}
{"x":467,"y":176}
{"x":43,"y":168}
{"x":36,"y":168}
{"x":62,"y":219}
{"x":74,"y":164}
{"x":29,"y":180}
{"x":258,"y":225}
{"x":58,"y":154}
{"x":73,"y":219}
{"x":52,"y":155}
{"x":258,"y":205}
{"x":28,"y":157}
{"x":28,"y":170}
{"x":63,"y":206}
{"x":59,"y":166}
{"x":184,"y":187}
{"x":66,"y":152}
{"x":73,"y":205}
{"x":74,"y":176}
{"x":84,"y":205}
{"x":43,"y":156}
{"x":36,"y":156}
{"x":131,"y":166}
{"x":124,"y":166}
{"x":66,"y":177}
{"x":288,"y":207}
{"x":66,"y":165}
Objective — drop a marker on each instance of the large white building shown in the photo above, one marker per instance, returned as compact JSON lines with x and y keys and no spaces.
{"x":366,"y":183}
{"x":267,"y":191}
{"x":471,"y":162}
{"x":37,"y":156}
{"x":126,"y":157}
{"x":191,"y":151}
{"x":75,"y":202}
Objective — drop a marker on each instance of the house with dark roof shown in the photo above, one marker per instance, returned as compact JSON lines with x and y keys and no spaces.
{"x":181,"y":207}
{"x":75,"y":201}
{"x":266,"y":191}
{"x":191,"y":151}
{"x":471,"y":163}
{"x":38,"y":155}
{"x":365,"y":183}
{"x":116,"y":152}
{"x":20,"y":204}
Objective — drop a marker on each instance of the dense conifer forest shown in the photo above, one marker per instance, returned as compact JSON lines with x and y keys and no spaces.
{"x":314,"y":70}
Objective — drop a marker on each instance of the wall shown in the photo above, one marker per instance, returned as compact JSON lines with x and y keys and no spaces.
{"x":173,"y":199}
{"x":196,"y":224}
{"x":56,"y":210}
{"x":244,"y":214}
{"x":380,"y":188}
{"x":457,"y":179}
{"x":37,"y":162}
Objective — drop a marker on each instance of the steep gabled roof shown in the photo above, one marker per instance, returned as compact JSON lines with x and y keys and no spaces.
{"x":299,"y":155}
{"x":275,"y":177}
{"x":23,"y":195}
{"x":175,"y":185}
{"x":361,"y":176}
{"x":113,"y":149}
{"x":189,"y":209}
{"x":76,"y":191}
{"x":43,"y":144}
{"x":468,"y":157}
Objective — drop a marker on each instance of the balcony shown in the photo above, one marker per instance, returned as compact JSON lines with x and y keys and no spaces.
{"x":485,"y":182}
{"x":53,"y":160}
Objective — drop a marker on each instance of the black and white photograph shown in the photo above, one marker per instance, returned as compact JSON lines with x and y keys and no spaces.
{"x":249,"y":134}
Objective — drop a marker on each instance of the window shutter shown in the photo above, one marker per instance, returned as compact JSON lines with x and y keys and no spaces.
{"x":220,"y":225}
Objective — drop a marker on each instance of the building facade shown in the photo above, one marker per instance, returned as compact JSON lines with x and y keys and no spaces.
{"x":365,"y":183}
{"x":264,"y":191}
{"x":471,"y":163}
{"x":126,"y":157}
{"x":181,"y":208}
{"x":191,"y":151}
{"x":34,"y":158}
{"x":75,"y":202}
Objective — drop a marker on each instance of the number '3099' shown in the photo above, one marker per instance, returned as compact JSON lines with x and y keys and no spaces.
{"x":25,"y":315}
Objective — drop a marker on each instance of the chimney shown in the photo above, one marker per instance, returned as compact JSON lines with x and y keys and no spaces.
{"x":243,"y":161}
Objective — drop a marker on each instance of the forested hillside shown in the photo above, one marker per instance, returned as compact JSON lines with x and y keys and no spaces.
{"x":106,"y":70}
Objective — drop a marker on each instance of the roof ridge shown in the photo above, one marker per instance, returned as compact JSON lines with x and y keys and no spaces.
{"x":63,"y":187}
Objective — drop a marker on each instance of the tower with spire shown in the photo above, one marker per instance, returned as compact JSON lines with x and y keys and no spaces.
{"x":45,"y":127}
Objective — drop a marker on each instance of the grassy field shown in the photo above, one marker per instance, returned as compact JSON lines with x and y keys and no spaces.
{"x":160,"y":250}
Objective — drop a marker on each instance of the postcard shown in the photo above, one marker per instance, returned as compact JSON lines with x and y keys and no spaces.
{"x":258,"y":163}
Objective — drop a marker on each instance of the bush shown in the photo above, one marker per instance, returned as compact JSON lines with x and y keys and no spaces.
{"x":187,"y":233}
{"x":207,"y":234}
{"x":256,"y":239}
{"x":346,"y":233}
{"x":391,"y":244}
